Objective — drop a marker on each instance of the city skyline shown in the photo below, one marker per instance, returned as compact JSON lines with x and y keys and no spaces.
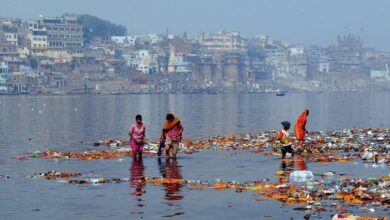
{"x":300,"y":22}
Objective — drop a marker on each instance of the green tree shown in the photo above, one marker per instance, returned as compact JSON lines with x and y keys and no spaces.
{"x":97,"y":27}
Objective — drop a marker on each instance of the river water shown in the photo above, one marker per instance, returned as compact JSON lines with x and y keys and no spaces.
{"x":30,"y":123}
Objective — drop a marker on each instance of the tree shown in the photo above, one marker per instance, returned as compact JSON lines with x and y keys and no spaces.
{"x":97,"y":27}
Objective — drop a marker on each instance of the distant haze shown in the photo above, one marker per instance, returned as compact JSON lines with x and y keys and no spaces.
{"x":298,"y":21}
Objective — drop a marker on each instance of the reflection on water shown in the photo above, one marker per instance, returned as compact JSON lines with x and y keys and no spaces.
{"x":170,"y":169}
{"x":137,"y":180}
{"x":137,"y":183}
{"x":288,"y":166}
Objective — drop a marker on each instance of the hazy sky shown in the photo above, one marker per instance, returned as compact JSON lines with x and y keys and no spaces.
{"x":297,"y":21}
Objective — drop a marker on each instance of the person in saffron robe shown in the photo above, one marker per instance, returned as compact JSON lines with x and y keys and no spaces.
{"x":300,"y":127}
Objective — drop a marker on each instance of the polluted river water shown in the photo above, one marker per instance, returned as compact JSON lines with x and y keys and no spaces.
{"x":195,"y":185}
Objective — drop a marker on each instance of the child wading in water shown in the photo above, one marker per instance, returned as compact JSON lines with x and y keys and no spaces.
{"x":137,"y":136}
{"x":284,"y":138}
{"x":172,"y":133}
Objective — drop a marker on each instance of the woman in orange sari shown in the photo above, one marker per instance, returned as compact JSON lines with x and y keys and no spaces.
{"x":300,"y":127}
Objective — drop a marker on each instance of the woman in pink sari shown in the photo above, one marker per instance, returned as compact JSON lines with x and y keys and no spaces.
{"x":137,"y":134}
{"x":172,"y":134}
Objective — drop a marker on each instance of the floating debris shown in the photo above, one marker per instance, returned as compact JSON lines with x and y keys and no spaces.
{"x":370,"y":145}
{"x":373,"y":191}
{"x":54,"y":175}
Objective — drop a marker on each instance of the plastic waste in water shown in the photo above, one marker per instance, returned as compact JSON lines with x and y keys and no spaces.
{"x":328,"y":173}
{"x":367,"y":155}
{"x":35,"y":154}
{"x":301,"y":176}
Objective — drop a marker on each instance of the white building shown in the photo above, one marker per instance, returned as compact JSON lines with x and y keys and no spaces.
{"x":143,"y":53}
{"x":296,"y":50}
{"x":125,"y":41}
{"x":143,"y":61}
{"x":223,"y":41}
{"x":33,"y":25}
{"x":12,"y":38}
{"x":155,"y":38}
{"x":23,"y":52}
{"x":39,"y":43}
{"x":381,"y":74}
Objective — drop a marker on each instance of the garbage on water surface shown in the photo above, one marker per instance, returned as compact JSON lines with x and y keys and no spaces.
{"x":306,"y":191}
{"x":369,"y":144}
{"x":305,"y":196}
{"x":348,"y":216}
{"x":53,"y":175}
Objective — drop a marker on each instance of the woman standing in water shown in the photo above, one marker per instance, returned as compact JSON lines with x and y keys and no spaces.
{"x":137,"y":134}
{"x":172,"y":133}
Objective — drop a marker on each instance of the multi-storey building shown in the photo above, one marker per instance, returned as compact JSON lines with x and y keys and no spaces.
{"x":347,"y":56}
{"x":223,"y":41}
{"x":61,"y":35}
{"x":12,"y":38}
{"x":64,"y":34}
{"x":39,"y":42}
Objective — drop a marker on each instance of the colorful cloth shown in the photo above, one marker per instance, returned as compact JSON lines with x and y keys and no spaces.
{"x":138,"y":135}
{"x":284,"y":138}
{"x":136,"y":147}
{"x":169,"y":125}
{"x":300,"y":126}
{"x":173,"y":130}
{"x":174,"y":133}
